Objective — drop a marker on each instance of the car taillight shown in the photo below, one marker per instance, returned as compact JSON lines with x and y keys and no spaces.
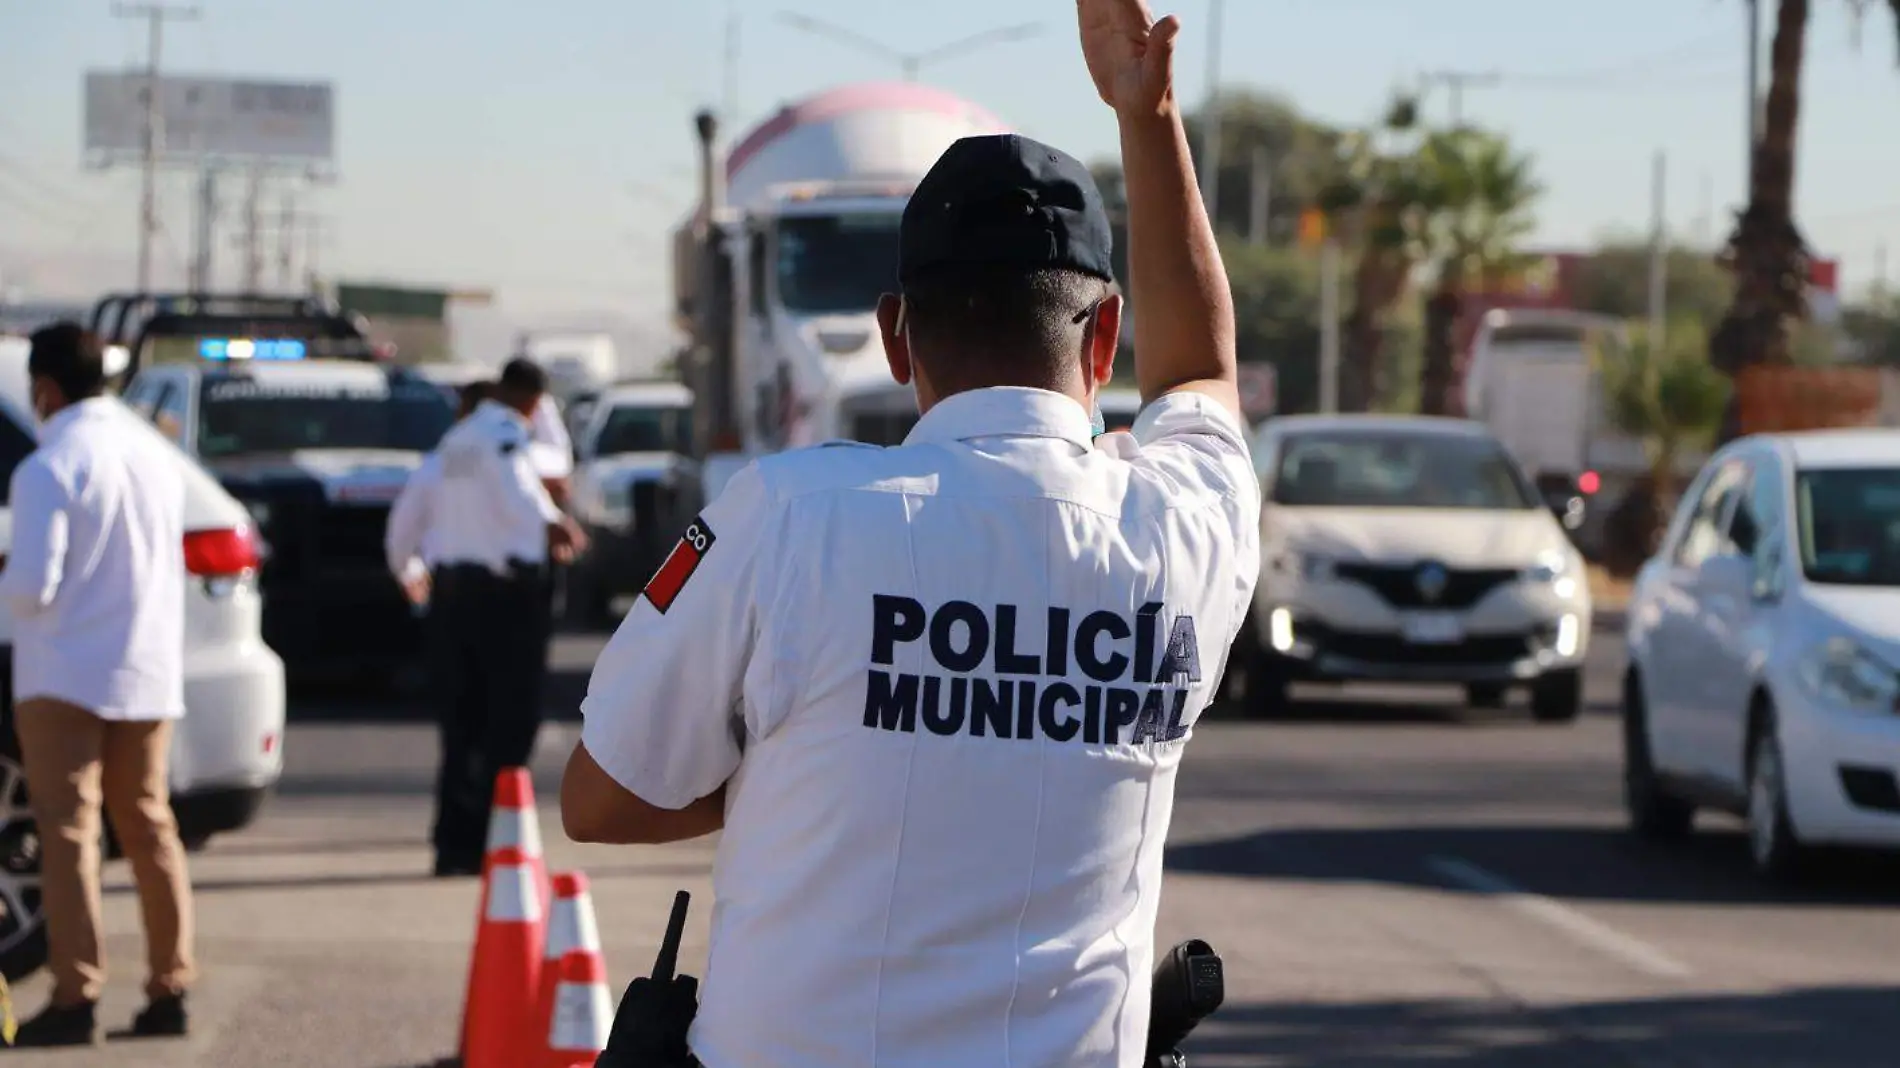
{"x":221,"y":553}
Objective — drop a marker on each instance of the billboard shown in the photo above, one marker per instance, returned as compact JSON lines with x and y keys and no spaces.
{"x":219,"y":118}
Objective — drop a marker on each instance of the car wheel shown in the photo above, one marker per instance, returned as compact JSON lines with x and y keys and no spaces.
{"x":23,"y":925}
{"x":1558,"y":697}
{"x":1773,"y":845}
{"x":1484,"y":695}
{"x":1654,"y":813}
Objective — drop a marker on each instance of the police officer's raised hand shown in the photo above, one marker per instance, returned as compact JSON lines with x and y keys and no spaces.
{"x":1129,"y":54}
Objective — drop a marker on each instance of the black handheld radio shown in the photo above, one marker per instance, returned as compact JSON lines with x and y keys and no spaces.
{"x":655,"y":1013}
{"x":1189,"y":985}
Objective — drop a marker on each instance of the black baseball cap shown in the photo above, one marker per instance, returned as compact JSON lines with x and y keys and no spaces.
{"x":1005,"y":200}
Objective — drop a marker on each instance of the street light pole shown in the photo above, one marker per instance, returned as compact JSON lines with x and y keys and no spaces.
{"x":910,"y":63}
{"x":154,"y":16}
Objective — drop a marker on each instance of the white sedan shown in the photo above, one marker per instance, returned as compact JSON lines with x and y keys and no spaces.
{"x":1409,"y":550}
{"x":1764,"y":674}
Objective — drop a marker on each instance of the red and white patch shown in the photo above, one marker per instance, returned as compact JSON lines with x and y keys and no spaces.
{"x":665,"y":585}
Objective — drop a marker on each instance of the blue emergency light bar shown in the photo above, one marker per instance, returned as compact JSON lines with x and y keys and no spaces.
{"x":242,"y":348}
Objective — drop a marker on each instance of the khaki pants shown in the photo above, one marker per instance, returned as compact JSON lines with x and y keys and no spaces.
{"x":74,"y":760}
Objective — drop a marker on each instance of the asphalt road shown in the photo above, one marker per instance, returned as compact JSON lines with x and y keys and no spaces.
{"x":1392,"y":880}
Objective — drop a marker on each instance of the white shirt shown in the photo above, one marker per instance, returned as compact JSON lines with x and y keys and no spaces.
{"x":489,"y":507}
{"x":95,"y":578}
{"x":411,"y":540}
{"x":552,"y":449}
{"x":914,"y":872}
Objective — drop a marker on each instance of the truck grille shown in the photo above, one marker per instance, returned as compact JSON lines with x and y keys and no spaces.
{"x":1478,"y":649}
{"x":1398,"y":585}
{"x":307,"y":535}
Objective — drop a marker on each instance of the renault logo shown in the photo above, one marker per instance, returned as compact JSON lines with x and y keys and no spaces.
{"x":1432,"y":580}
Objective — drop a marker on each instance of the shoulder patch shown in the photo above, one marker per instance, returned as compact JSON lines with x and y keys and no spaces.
{"x":665,"y":585}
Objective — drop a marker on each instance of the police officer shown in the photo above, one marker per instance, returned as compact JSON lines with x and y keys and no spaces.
{"x":409,"y":538}
{"x":936,"y":695}
{"x":495,"y":531}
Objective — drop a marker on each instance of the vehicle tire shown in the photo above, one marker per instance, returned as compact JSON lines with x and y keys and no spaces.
{"x":1484,"y":695}
{"x":1773,"y":846}
{"x":22,"y":925}
{"x":1654,"y":813}
{"x":1558,"y":697}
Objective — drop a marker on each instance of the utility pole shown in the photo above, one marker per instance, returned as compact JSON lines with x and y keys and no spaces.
{"x":1211,"y":121}
{"x":286,"y":238}
{"x":1456,"y":81}
{"x":253,"y":233}
{"x":1262,"y":196}
{"x":154,"y":16}
{"x":313,"y":242}
{"x":207,"y":226}
{"x":1658,"y":258}
{"x":1329,"y":326}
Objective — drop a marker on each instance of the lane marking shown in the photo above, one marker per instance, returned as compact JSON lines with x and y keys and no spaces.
{"x":1605,"y":939}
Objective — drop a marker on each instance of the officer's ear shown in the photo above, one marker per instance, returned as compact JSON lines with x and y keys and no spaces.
{"x":891,"y":312}
{"x":1105,"y":338}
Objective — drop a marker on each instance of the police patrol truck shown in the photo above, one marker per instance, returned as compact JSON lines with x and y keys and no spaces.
{"x":289,"y":407}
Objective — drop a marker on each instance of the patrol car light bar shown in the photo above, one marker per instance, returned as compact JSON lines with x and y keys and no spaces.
{"x":243,"y":348}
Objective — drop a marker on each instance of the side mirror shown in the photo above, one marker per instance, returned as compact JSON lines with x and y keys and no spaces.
{"x":1729,"y":573}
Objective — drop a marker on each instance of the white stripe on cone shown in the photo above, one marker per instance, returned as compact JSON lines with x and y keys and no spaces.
{"x":515,"y":828}
{"x":512,"y":897}
{"x":582,"y":1015}
{"x":571,"y":927}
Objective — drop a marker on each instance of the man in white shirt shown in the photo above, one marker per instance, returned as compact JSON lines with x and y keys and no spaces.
{"x":409,"y":537}
{"x":495,"y":532}
{"x":95,"y":582}
{"x":936,"y":695}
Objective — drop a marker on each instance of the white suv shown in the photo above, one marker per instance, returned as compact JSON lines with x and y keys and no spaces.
{"x":228,"y":750}
{"x":1764,"y":674}
{"x":1409,"y":550}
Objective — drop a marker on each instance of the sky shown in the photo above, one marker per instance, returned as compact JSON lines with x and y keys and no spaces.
{"x":544,"y":151}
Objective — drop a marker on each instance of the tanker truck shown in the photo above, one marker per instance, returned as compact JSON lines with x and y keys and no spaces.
{"x":778,"y":271}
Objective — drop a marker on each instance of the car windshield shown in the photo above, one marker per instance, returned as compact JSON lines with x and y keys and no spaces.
{"x":633,"y":428}
{"x":239,"y":417}
{"x":1398,"y":469}
{"x":829,"y":264}
{"x":1850,"y":525}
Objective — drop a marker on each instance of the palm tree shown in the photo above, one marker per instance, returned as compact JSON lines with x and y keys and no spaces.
{"x":1664,"y":393}
{"x":1372,"y":202}
{"x":1766,"y":251}
{"x":1476,"y":211}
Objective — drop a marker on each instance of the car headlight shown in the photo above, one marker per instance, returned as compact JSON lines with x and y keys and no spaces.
{"x":1310,"y":567}
{"x":1548,"y":568}
{"x":1841,"y":672}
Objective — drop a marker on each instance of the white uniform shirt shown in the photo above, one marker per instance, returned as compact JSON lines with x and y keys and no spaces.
{"x":489,"y":507}
{"x":950,"y":683}
{"x":95,"y":578}
{"x":411,"y":539}
{"x":552,"y":449}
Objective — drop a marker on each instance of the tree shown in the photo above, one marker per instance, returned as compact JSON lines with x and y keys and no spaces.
{"x":1664,"y":393}
{"x":1276,"y":306}
{"x":1615,"y":281}
{"x":1475,"y":210}
{"x":1767,"y":252}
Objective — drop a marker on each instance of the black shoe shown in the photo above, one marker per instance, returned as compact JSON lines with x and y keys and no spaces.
{"x":57,"y":1025}
{"x":163,"y":1017}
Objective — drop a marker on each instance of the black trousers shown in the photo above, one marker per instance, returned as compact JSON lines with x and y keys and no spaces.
{"x":487,"y":641}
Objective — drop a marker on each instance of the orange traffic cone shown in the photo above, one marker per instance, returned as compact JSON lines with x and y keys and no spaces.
{"x":512,"y":826}
{"x":571,"y":928}
{"x":512,"y":822}
{"x":504,"y":975}
{"x":583,"y":1013}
